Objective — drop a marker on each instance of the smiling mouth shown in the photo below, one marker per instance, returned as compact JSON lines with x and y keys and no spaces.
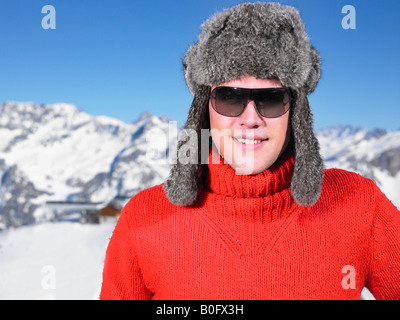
{"x":249,"y":141}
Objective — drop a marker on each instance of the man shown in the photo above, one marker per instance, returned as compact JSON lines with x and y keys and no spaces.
{"x":261,"y":219}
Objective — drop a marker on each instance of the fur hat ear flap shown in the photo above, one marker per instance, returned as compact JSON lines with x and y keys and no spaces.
{"x":307,"y":175}
{"x":314,"y":72}
{"x":181,"y":187}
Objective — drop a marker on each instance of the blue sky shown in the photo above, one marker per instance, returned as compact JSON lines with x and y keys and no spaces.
{"x":121,"y":58}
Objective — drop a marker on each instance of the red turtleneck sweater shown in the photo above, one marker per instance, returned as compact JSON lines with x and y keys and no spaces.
{"x":246,"y":238}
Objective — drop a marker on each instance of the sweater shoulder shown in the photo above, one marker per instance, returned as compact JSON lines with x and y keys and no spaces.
{"x":148,"y":205}
{"x":344,"y":184}
{"x":348,"y":195}
{"x":345,"y":180}
{"x":147,"y":196}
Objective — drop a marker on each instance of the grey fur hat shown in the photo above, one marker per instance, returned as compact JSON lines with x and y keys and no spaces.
{"x":265,"y":40}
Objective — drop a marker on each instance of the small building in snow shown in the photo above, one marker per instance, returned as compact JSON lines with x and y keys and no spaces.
{"x":87,"y":212}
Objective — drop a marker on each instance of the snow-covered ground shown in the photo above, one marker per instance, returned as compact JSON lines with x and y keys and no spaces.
{"x":53,"y":261}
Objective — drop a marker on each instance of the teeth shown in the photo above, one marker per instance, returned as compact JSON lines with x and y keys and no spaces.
{"x":248,"y":141}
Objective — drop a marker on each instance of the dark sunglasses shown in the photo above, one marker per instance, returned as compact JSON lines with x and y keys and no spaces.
{"x":270,"y":102}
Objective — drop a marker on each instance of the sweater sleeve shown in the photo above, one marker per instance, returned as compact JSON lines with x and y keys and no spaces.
{"x":384,"y":276}
{"x":122,"y":279}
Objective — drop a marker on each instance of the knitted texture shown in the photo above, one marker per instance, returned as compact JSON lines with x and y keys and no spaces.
{"x":246,"y":238}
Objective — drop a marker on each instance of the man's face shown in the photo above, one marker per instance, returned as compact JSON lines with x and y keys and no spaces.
{"x":250,"y":143}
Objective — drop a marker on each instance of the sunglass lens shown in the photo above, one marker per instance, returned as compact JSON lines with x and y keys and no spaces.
{"x":272,"y":103}
{"x":229,"y":101}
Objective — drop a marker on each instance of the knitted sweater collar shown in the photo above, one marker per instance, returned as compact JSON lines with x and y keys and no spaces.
{"x":222,"y":178}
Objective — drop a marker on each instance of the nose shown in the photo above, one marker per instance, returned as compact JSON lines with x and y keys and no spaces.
{"x":250,"y":118}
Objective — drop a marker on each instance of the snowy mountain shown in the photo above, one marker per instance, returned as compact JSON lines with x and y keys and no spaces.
{"x":58,"y":153}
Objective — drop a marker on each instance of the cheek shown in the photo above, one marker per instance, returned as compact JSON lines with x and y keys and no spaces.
{"x":286,"y":127}
{"x":215,"y":119}
{"x":220,"y":124}
{"x":281,"y":130}
{"x":280,"y":127}
{"x":221,"y":130}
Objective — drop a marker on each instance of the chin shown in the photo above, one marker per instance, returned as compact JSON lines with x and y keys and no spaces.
{"x":249,"y":167}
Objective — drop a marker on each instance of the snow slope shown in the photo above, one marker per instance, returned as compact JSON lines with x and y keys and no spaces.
{"x":53,"y":261}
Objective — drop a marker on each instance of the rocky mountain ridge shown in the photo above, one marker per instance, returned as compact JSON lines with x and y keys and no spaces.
{"x":59,"y":153}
